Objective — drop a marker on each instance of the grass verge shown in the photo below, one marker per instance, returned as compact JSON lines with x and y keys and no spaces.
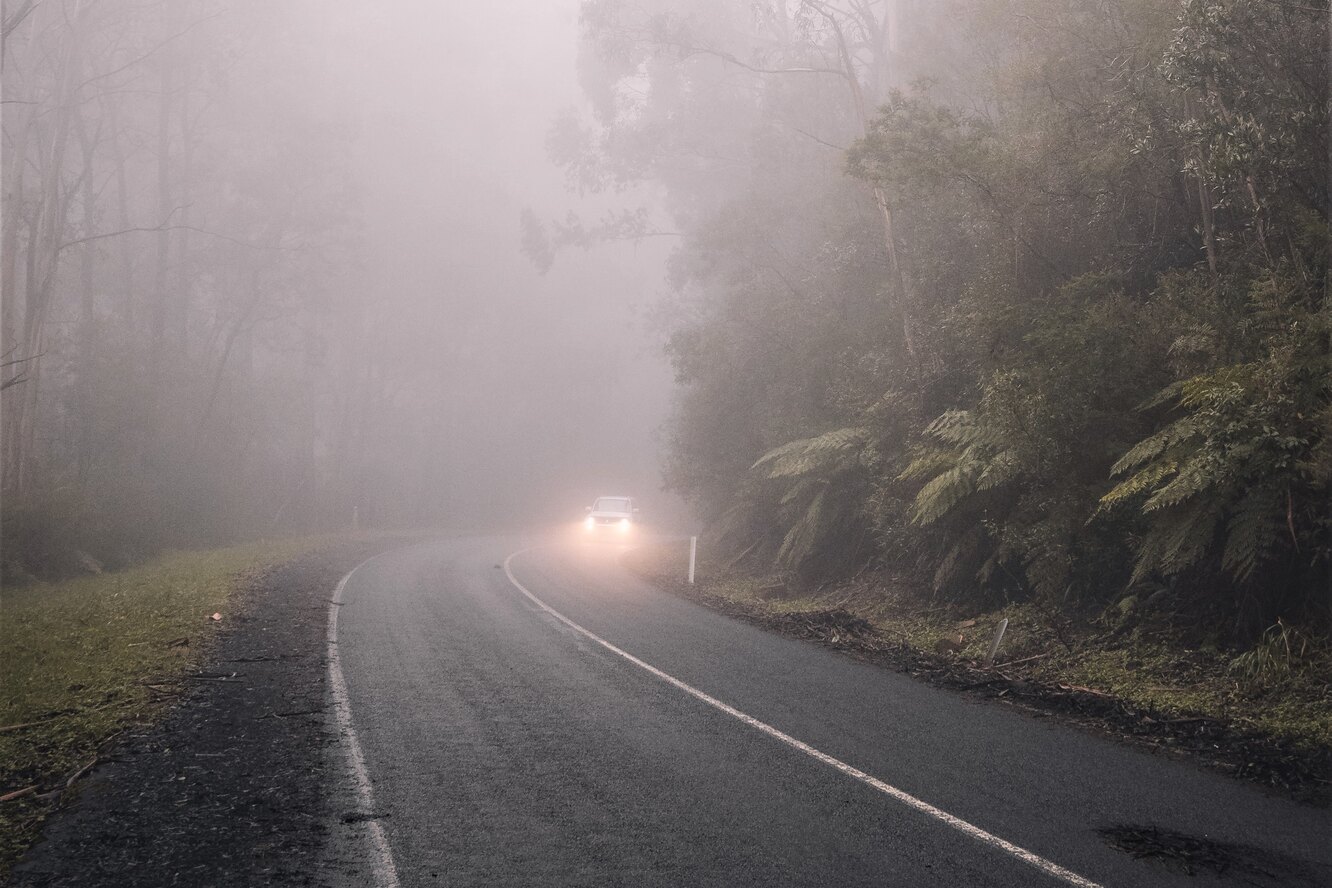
{"x":82,"y":660}
{"x":1153,"y":685}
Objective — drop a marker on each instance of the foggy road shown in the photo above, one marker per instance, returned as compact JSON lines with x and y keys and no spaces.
{"x":592,"y":730}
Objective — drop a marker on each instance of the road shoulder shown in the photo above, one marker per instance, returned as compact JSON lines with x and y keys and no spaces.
{"x":1288,"y":768}
{"x":232,"y":786}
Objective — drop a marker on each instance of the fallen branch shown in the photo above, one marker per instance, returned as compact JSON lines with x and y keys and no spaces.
{"x":1085,"y":690}
{"x":18,"y":793}
{"x":80,"y":772}
{"x":72,"y":779}
{"x":1023,"y":660}
{"x":55,"y":715}
{"x":292,"y":714}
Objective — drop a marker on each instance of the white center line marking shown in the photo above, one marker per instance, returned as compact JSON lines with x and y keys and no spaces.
{"x":905,"y":798}
{"x":381,"y":855}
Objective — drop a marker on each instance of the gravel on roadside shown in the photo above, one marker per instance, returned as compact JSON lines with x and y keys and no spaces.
{"x":239,"y":784}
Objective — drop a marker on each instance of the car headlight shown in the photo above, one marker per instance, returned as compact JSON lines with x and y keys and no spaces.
{"x":624,"y":524}
{"x":589,"y":522}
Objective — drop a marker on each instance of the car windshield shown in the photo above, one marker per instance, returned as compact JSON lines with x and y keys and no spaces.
{"x":611,"y":504}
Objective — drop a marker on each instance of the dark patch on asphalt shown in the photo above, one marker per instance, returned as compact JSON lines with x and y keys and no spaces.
{"x":1297,"y":771}
{"x":229,"y":789}
{"x":1192,"y":855}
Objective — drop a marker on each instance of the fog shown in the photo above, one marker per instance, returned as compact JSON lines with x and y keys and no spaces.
{"x":550,"y":388}
{"x":888,"y":283}
{"x":286,"y":290}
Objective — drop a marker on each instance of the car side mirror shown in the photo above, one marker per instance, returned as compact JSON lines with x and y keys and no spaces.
{"x":636,"y":511}
{"x":589,"y":508}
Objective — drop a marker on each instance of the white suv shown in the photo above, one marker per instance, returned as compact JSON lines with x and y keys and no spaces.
{"x":611,"y":514}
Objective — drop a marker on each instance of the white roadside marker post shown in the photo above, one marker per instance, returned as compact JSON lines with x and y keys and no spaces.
{"x":693,"y":553}
{"x":994,"y":645}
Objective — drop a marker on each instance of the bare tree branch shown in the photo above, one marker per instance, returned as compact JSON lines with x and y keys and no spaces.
{"x":14,"y":20}
{"x":20,"y":376}
{"x":689,"y":50}
{"x":826,"y":144}
{"x":165,"y":227}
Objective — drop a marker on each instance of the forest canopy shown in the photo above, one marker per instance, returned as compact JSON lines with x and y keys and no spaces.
{"x":1023,"y":298}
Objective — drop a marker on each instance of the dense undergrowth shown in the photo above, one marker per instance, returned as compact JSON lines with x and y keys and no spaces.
{"x":1035,"y":311}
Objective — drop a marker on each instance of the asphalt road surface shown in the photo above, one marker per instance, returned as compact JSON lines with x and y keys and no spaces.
{"x":528,"y":713}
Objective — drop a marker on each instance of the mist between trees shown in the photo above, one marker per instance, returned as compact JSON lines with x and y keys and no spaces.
{"x":1016,"y":298}
{"x":262,"y":276}
{"x":174,"y":282}
{"x":1013,"y":298}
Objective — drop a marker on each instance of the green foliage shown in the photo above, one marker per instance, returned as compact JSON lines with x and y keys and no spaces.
{"x":1111,"y":247}
{"x":815,"y":477}
{"x":1235,"y":477}
{"x":1278,"y":654}
{"x":830,"y":453}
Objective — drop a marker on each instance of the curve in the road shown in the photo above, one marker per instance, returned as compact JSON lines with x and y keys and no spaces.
{"x":975,"y":832}
{"x":381,"y":855}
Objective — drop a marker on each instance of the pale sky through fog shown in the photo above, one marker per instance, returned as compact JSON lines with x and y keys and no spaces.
{"x":558,"y":386}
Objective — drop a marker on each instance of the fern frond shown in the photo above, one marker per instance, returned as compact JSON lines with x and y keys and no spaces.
{"x":1002,"y":468}
{"x":947,"y":569}
{"x":942,"y":493}
{"x":1149,"y":479}
{"x":1179,"y":540}
{"x":1193,"y":478}
{"x":951,"y":426}
{"x":929,"y":463}
{"x":823,"y":452}
{"x":796,"y":491}
{"x":1233,"y":379}
{"x":1252,"y":531}
{"x":1169,"y":393}
{"x":1151,"y":447}
{"x":804,"y":534}
{"x":963,"y":428}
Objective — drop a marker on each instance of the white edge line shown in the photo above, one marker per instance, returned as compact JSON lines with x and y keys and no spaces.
{"x":957,"y":823}
{"x":381,"y":855}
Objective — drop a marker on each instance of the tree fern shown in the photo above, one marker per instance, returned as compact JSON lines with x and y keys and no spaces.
{"x":807,"y":455}
{"x":813,"y":485}
{"x":1150,"y":448}
{"x":1252,"y":532}
{"x":937,"y":498}
{"x":803,"y":535}
{"x":1213,"y":478}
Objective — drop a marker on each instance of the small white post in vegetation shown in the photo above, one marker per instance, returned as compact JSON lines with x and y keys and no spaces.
{"x":693,"y":553}
{"x":994,"y":645}
{"x":356,"y":517}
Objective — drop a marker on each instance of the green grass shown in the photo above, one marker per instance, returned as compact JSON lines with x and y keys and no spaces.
{"x":78,"y":658}
{"x":1147,"y":667}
